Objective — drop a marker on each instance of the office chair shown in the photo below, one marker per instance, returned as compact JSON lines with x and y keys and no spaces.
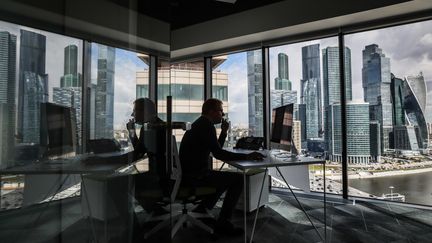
{"x":188,"y":197}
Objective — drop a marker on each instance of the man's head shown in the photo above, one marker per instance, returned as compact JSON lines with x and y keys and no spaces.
{"x":213,"y":110}
{"x":144,"y":110}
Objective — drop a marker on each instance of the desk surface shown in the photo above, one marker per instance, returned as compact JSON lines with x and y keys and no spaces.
{"x":81,"y":164}
{"x":271,"y":160}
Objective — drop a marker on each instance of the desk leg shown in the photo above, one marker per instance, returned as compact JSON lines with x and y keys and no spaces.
{"x":88,"y":208}
{"x":244,"y":205}
{"x":301,"y":206}
{"x":258,"y":204}
{"x":325,"y":204}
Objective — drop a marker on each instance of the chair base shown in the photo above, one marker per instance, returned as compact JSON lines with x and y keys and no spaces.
{"x":180,"y":217}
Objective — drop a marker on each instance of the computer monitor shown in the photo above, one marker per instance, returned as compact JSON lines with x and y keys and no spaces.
{"x":57,"y":130}
{"x":282,"y":124}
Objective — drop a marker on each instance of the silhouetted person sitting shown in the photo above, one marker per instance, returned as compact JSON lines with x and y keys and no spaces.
{"x":150,"y":142}
{"x":195,"y":149}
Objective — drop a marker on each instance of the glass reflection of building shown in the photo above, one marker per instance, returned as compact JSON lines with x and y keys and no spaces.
{"x":255,"y":92}
{"x":32,"y":85}
{"x":104,"y":93}
{"x":8,"y":44}
{"x":311,"y":90}
{"x":185,"y":83}
{"x":376,"y":90}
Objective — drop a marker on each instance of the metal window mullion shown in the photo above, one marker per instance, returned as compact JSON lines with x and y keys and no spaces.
{"x":343,"y":115}
{"x":153,"y":79}
{"x":208,"y":78}
{"x":266,"y":95}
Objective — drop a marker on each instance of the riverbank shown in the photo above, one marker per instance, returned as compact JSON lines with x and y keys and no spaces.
{"x":367,"y":174}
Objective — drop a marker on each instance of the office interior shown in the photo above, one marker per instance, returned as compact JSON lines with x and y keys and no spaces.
{"x":357,"y":73}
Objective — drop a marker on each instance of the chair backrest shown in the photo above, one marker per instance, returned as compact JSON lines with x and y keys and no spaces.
{"x":176,"y":172}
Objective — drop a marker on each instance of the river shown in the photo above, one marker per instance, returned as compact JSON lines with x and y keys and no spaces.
{"x":417,"y":188}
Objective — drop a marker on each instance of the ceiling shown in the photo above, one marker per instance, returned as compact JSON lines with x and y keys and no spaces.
{"x":182,"y":13}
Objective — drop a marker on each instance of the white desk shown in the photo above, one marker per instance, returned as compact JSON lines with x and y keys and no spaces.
{"x":270,"y":161}
{"x":48,"y":177}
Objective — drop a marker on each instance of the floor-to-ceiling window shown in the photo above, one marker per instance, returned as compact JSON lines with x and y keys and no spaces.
{"x":237,"y":81}
{"x":118,"y":77}
{"x":305,"y":78}
{"x":40,"y":101}
{"x":390,"y":113}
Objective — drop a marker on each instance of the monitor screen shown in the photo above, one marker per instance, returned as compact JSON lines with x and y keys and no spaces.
{"x":58,"y":133}
{"x":282,"y":123}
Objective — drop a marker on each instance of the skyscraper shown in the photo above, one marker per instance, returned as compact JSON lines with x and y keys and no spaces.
{"x":358,"y":132}
{"x":255,"y":92}
{"x":282,"y":93}
{"x":331,"y":84}
{"x":70,"y":91}
{"x":419,"y":88}
{"x":311,"y":90}
{"x":376,"y":80}
{"x":7,"y":97}
{"x":32,"y":86}
{"x":104,"y":107}
{"x":282,"y":81}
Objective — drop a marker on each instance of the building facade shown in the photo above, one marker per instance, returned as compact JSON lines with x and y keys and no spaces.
{"x":104,"y":93}
{"x":311,"y":90}
{"x":8,"y":45}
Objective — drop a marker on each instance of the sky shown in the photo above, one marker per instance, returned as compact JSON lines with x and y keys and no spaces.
{"x":409,"y":48}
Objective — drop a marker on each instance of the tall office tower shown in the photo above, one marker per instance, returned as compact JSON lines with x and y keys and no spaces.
{"x":414,"y":113}
{"x":7,"y":97}
{"x":405,"y":138}
{"x":419,"y":89}
{"x":283,"y":97}
{"x":104,"y":117}
{"x":358,"y":132}
{"x":331,"y":83}
{"x":282,"y":81}
{"x":376,"y":80}
{"x":397,"y":94}
{"x":32,"y":85}
{"x":302,"y":119}
{"x":375,"y":140}
{"x":70,"y":91}
{"x":311,"y":90}
{"x":297,"y":135}
{"x":255,"y":93}
{"x":282,"y":93}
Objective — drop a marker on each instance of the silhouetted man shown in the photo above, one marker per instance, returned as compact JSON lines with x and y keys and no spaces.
{"x":195,"y":149}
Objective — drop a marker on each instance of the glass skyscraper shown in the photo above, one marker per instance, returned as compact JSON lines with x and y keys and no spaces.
{"x":255,"y":93}
{"x":32,"y":85}
{"x":8,"y":44}
{"x":70,"y":91}
{"x":331,"y":84}
{"x":311,"y":90}
{"x":358,"y":133}
{"x":376,"y":80}
{"x":104,"y":107}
